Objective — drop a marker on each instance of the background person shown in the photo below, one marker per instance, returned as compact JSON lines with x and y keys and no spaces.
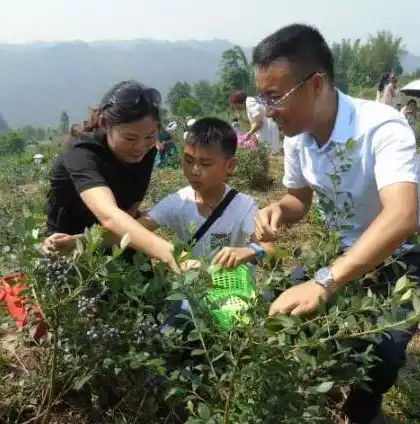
{"x":262,"y":127}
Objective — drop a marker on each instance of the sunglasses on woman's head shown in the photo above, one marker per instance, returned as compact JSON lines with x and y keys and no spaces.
{"x":127,"y":98}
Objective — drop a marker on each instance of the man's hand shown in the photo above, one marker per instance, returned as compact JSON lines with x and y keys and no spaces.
{"x":267,"y":223}
{"x":59,"y":243}
{"x":232,"y":257}
{"x":300,"y":300}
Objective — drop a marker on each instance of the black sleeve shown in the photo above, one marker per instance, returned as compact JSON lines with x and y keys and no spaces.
{"x":82,"y":166}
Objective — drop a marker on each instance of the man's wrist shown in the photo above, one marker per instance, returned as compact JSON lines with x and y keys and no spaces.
{"x":324,"y":277}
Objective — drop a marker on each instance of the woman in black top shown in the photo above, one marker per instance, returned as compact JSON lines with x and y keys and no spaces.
{"x":103,"y":176}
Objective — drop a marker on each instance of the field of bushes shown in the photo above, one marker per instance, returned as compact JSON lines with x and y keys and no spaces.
{"x":92,"y":350}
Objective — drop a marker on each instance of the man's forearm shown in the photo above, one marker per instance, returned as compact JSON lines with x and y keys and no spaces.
{"x":292,"y":209}
{"x":389,"y":230}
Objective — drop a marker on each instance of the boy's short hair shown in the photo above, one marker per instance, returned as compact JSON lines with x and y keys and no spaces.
{"x":214,"y":133}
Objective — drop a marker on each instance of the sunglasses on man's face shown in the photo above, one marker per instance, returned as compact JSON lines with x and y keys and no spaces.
{"x":278,"y":103}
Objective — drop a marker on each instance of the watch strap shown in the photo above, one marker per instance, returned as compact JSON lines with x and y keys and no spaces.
{"x":257,"y":249}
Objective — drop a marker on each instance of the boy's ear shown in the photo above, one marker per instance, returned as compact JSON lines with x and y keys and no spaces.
{"x":231,"y":165}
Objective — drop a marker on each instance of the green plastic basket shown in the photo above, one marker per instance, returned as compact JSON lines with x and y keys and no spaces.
{"x":228,"y":298}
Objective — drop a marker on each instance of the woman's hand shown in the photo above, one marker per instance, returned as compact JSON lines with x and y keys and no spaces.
{"x":59,"y":243}
{"x":232,"y":257}
{"x":165,"y":254}
{"x":160,"y":147}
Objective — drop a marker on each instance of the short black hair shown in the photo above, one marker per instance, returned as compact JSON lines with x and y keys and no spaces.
{"x":214,"y":133}
{"x":302,"y":45}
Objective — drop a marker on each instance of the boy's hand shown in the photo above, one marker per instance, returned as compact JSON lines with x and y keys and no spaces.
{"x":59,"y":243}
{"x":232,"y":257}
{"x":190,"y":264}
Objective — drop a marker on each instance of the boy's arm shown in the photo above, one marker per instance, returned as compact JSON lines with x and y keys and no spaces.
{"x":231,"y":257}
{"x":268,"y":247}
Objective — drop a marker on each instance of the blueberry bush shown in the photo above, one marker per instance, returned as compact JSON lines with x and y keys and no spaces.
{"x":96,"y":344}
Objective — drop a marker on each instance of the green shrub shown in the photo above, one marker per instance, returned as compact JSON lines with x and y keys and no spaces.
{"x":104,"y":346}
{"x":252,"y":168}
{"x":104,"y":352}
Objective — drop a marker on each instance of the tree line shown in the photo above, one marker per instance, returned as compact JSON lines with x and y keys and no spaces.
{"x":358,"y":65}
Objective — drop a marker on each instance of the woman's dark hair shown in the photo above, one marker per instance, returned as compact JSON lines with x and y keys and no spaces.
{"x":130,"y":101}
{"x":238,"y":97}
{"x":302,"y":46}
{"x":383,"y":81}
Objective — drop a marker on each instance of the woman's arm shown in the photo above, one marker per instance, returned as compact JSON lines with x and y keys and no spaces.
{"x":101,"y":202}
{"x":65,"y":243}
{"x":255,"y":127}
{"x":256,"y":114}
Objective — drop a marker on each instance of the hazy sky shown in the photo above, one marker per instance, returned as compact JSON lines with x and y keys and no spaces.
{"x":241,"y":21}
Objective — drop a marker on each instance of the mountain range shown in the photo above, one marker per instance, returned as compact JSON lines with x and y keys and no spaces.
{"x":39,"y":80}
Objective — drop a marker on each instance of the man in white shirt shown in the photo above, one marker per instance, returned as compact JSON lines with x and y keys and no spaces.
{"x":359,"y":157}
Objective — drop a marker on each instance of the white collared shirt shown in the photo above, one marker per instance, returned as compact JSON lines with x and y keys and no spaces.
{"x":371,"y":147}
{"x":178,"y":212}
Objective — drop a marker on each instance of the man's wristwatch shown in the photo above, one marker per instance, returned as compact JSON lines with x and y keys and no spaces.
{"x":257,"y":249}
{"x":324,"y":278}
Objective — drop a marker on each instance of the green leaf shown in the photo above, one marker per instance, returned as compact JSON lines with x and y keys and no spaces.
{"x":125,"y":241}
{"x":416,"y":305}
{"x":407,"y":295}
{"x":280,"y":321}
{"x":198,"y":352}
{"x":325,"y":387}
{"x":80,"y":382}
{"x":175,"y":391}
{"x":218,"y":357}
{"x":204,"y":411}
{"x":402,"y":284}
{"x":176,"y":296}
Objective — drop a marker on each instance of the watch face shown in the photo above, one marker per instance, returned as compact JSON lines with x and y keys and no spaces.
{"x":323,"y":275}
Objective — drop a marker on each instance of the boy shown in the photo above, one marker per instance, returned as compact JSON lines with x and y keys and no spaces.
{"x":208,"y":159}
